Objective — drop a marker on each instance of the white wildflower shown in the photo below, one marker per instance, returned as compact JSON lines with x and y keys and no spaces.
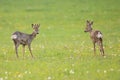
{"x":1,"y":78}
{"x":49,"y":78}
{"x":111,"y":69}
{"x":87,"y":72}
{"x":4,"y":53}
{"x":42,"y":46}
{"x":104,"y":56}
{"x":49,"y":27}
{"x":20,"y":76}
{"x":98,"y":70}
{"x":6,"y":72}
{"x":29,"y":72}
{"x":6,"y":77}
{"x":105,"y":71}
{"x":72,"y":71}
{"x":65,"y":70}
{"x":71,"y":57}
{"x":119,"y":70}
{"x":110,"y":47}
{"x":73,"y":65}
{"x":26,"y":72}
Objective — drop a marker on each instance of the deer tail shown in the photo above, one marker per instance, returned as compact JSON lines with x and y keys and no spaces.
{"x":14,"y":36}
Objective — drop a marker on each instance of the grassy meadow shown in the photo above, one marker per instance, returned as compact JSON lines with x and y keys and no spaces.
{"x":62,"y":50}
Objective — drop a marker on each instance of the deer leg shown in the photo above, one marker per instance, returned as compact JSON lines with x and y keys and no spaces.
{"x":16,"y":49}
{"x":23,"y":50}
{"x":29,"y":46}
{"x":94,"y":48}
{"x":101,"y":48}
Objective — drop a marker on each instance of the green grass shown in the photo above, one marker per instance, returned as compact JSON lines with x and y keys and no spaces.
{"x":62,"y":50}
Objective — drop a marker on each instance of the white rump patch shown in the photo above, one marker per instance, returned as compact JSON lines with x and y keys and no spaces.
{"x":99,"y":35}
{"x":14,"y":36}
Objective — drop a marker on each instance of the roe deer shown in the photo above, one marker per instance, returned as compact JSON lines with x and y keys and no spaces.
{"x":24,"y":39}
{"x":96,"y":36}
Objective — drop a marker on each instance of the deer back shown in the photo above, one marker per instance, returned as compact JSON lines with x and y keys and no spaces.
{"x":96,"y":35}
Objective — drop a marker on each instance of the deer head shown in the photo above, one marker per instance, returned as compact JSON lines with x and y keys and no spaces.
{"x":36,"y":28}
{"x":88,"y":26}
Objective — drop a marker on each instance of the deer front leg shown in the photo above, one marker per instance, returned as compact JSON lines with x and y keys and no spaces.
{"x":29,"y":46}
{"x":16,"y":49}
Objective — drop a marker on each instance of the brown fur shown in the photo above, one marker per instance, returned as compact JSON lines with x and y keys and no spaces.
{"x":20,"y":38}
{"x":96,"y":37}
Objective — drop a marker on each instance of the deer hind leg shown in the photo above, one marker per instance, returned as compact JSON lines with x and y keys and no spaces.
{"x":29,"y":46}
{"x":94,"y":48}
{"x":101,"y":48}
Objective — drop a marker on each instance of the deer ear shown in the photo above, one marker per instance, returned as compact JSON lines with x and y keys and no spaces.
{"x":87,"y":21}
{"x":38,"y":25}
{"x":92,"y":22}
{"x":32,"y":25}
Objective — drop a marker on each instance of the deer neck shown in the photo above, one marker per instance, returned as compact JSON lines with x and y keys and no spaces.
{"x":90,"y":31}
{"x":33,"y":35}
